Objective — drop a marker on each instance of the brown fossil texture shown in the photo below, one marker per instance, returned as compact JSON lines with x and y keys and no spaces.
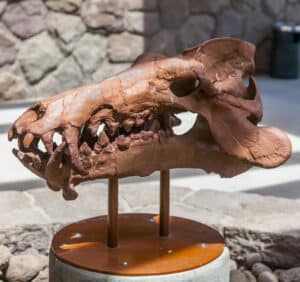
{"x":123,"y":126}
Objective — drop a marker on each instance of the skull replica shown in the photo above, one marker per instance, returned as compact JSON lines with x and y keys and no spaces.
{"x":138,"y":108}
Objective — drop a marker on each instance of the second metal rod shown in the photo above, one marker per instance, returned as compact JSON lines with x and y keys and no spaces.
{"x":112,"y":218}
{"x":164,"y":203}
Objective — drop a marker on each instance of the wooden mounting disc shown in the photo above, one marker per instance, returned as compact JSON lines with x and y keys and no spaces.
{"x":141,"y":251}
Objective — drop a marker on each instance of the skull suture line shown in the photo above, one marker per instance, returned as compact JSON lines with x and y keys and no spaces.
{"x":137,"y":108}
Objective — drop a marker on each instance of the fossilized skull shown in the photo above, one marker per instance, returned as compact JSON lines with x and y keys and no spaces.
{"x":138,"y":108}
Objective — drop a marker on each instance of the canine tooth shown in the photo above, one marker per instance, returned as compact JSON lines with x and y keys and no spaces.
{"x":155,"y":126}
{"x":28,"y":139}
{"x":103,"y":139}
{"x":128,"y":124}
{"x":123,"y":142}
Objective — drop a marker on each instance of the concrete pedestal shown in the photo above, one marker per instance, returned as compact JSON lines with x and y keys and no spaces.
{"x":215,"y":271}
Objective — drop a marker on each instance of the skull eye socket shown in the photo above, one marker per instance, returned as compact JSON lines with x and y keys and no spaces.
{"x":183,"y":86}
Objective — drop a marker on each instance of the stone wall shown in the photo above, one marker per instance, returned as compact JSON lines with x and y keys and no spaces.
{"x":52,"y":45}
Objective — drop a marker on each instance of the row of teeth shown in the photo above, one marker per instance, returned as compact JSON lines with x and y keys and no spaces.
{"x":139,"y":131}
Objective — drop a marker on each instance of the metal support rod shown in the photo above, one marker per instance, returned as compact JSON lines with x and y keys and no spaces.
{"x":112,"y":218}
{"x":164,"y":202}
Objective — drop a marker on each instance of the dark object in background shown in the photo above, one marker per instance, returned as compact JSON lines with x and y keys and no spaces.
{"x":285,"y":51}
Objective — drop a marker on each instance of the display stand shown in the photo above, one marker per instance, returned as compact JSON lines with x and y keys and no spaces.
{"x":138,"y":247}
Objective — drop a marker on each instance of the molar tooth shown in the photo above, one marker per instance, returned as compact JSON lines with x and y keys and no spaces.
{"x":128,"y":124}
{"x":139,"y":121}
{"x":109,"y":148}
{"x":162,"y":136}
{"x":136,"y":136}
{"x":123,"y":142}
{"x":155,"y":126}
{"x":85,"y":149}
{"x":103,"y":140}
{"x":28,"y":139}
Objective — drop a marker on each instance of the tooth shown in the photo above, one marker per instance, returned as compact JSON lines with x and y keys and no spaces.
{"x":136,"y":136}
{"x":55,"y":159}
{"x":47,"y":140}
{"x":85,"y":149}
{"x":155,"y":126}
{"x":128,"y":124}
{"x":71,"y":135}
{"x":145,"y":136}
{"x":123,"y":142}
{"x":103,"y":140}
{"x":86,"y":163}
{"x":28,"y":139}
{"x":174,"y":121}
{"x":109,"y":148}
{"x":139,"y":121}
{"x":112,"y":127}
{"x":11,"y":133}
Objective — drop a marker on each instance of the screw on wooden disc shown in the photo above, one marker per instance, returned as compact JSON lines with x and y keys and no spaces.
{"x":140,"y":251}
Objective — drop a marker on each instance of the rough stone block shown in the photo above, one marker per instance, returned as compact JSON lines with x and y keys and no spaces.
{"x":125,"y":47}
{"x":2,"y":6}
{"x":11,"y":86}
{"x":39,"y":55}
{"x":90,"y":52}
{"x":8,"y":49}
{"x":103,"y":14}
{"x":23,"y":268}
{"x":195,"y":30}
{"x":25,"y":18}
{"x":142,"y":22}
{"x":206,"y":6}
{"x":67,"y":6}
{"x":173,"y":13}
{"x":142,"y":5}
{"x":67,"y":28}
{"x":229,"y":23}
{"x":4,"y":257}
{"x":291,"y":275}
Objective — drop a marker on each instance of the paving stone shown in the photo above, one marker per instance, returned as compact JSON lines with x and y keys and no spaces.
{"x":229,"y":23}
{"x":107,"y":70}
{"x":267,"y":276}
{"x":291,"y":275}
{"x":164,"y":42}
{"x":256,"y":31}
{"x":2,"y":6}
{"x":141,"y":5}
{"x":23,"y":268}
{"x":67,"y":6}
{"x":125,"y":47}
{"x":103,"y":14}
{"x":237,"y":276}
{"x":90,"y":52}
{"x":11,"y":86}
{"x":259,"y":268}
{"x":4,"y":258}
{"x":38,"y":56}
{"x":20,"y":238}
{"x":25,"y":18}
{"x":173,"y":13}
{"x":67,"y":28}
{"x":273,"y":7}
{"x":43,"y":276}
{"x":142,"y":22}
{"x":210,"y":7}
{"x":195,"y":30}
{"x":8,"y":48}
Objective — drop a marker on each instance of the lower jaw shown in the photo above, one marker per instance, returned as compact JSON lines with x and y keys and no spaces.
{"x":174,"y":152}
